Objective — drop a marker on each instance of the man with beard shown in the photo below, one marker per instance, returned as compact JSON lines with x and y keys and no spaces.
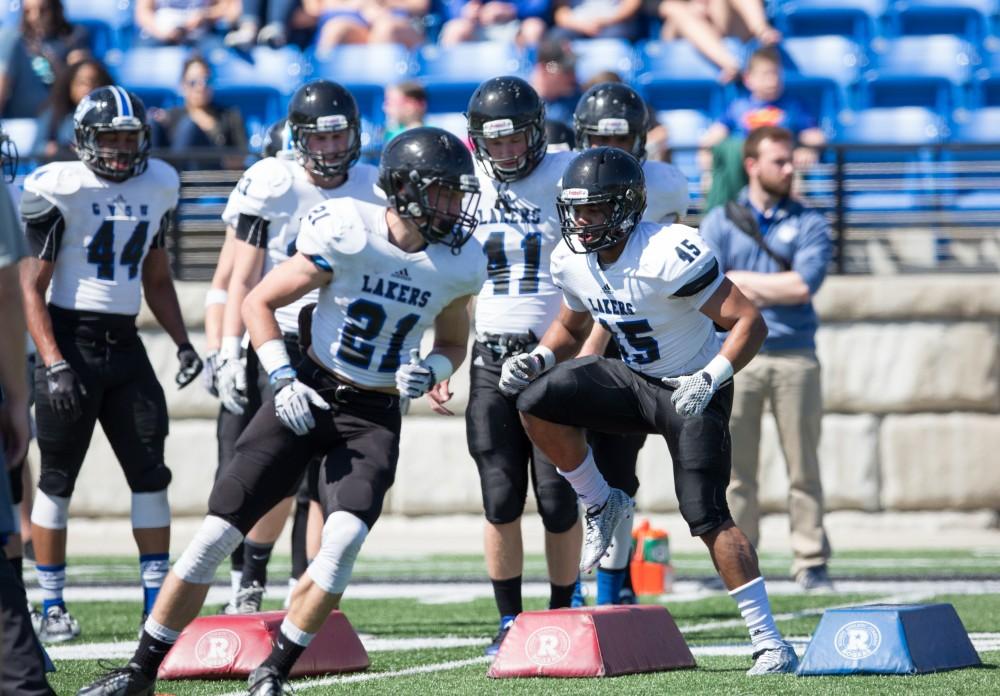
{"x":776,"y":251}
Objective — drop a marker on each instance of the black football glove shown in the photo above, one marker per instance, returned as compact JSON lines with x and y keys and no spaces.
{"x":190,"y":365}
{"x":66,"y":391}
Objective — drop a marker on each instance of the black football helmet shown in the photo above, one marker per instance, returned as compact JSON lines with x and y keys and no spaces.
{"x":612,"y":108}
{"x":276,"y":138}
{"x":421,"y":158}
{"x":9,"y":158}
{"x":111,"y":109}
{"x":605,"y":176}
{"x":322,"y":106}
{"x":557,"y":134}
{"x":504,"y":106}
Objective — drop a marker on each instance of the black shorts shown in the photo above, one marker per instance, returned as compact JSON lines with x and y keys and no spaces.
{"x":605,"y":395}
{"x":122,"y":393}
{"x":505,"y":456}
{"x":357,"y":439}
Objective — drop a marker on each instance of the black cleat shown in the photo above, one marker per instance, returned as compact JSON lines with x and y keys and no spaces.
{"x":121,"y":681}
{"x":267,"y":681}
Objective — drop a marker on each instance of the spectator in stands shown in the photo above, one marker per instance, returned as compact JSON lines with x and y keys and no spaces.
{"x":656,"y":135}
{"x":523,"y":21}
{"x":263,"y":21}
{"x":51,"y":41}
{"x":200,"y":124}
{"x":55,"y":125}
{"x":706,"y":22}
{"x":405,"y":106}
{"x":363,"y":21}
{"x":554,"y":78}
{"x":597,"y":19}
{"x":776,"y":252}
{"x":766,"y":105}
{"x":185,"y":22}
{"x":22,"y":91}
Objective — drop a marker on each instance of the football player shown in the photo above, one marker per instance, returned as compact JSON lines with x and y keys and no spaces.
{"x":518,"y":229}
{"x":613,"y":114}
{"x":385,"y":273}
{"x":658,"y":289}
{"x":97,"y":230}
{"x":266,"y":209}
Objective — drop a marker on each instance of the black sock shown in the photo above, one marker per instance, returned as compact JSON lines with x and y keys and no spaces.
{"x":283,"y":655}
{"x":255,"y":560}
{"x":508,"y":596}
{"x":150,"y":654}
{"x":560,"y":596}
{"x":236,"y":559}
{"x":18,"y":564}
{"x":300,"y":523}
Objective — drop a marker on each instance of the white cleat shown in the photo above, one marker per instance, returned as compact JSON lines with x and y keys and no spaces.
{"x":600,"y":526}
{"x":58,"y":626}
{"x":780,"y":660}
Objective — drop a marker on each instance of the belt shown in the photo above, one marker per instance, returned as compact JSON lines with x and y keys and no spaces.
{"x":338,"y":391}
{"x":506,"y":345}
{"x":96,"y":327}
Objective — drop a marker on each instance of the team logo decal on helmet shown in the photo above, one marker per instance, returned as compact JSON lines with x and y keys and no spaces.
{"x":505,"y":106}
{"x":112,"y":110}
{"x":610,"y":183}
{"x":428,"y":176}
{"x":611,"y":109}
{"x":322,"y":106}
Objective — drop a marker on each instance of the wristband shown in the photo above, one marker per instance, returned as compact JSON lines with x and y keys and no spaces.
{"x":230,"y":348}
{"x":440,"y":366}
{"x":546,"y":355}
{"x":215,"y":296}
{"x":272,"y":355}
{"x":720,"y":370}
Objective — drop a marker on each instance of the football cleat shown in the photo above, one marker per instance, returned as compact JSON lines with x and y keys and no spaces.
{"x":247,"y":600}
{"x":121,"y":681}
{"x":493,"y":648}
{"x":815,"y":579}
{"x":58,"y":626}
{"x":780,"y":660}
{"x":267,"y":681}
{"x":600,"y":526}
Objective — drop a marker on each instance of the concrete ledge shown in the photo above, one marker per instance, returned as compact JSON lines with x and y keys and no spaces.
{"x":904,"y":297}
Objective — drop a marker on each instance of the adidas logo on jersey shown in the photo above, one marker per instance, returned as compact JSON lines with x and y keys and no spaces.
{"x":607,"y":290}
{"x":402,"y":274}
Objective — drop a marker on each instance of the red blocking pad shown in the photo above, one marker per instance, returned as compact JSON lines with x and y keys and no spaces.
{"x":888,"y":639}
{"x":592,"y":642}
{"x":226,"y":647}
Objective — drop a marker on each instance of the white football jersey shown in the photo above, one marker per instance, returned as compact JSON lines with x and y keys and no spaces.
{"x":649,"y":299}
{"x":108,"y":229}
{"x":279,"y":190}
{"x":518,"y":230}
{"x":381,"y":298}
{"x":667,"y":194}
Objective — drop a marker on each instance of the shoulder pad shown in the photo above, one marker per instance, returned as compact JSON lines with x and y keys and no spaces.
{"x":163,"y":173}
{"x":333,"y":229}
{"x":36,"y":207}
{"x":54,"y":179}
{"x":666,"y":191}
{"x":266,"y":179}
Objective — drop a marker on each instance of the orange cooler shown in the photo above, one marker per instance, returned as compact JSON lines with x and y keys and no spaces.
{"x":651,"y":571}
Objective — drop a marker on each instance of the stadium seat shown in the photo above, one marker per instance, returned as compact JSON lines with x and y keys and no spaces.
{"x":260,"y":105}
{"x":674,"y":75}
{"x":819,"y":96}
{"x":685,"y":127}
{"x":908,"y":125}
{"x":597,"y":55}
{"x":926,"y":71}
{"x":109,"y":22}
{"x":281,"y":69}
{"x":452,"y":73}
{"x":834,"y":57}
{"x":978,"y":126}
{"x":452,"y":122}
{"x":985,"y":88}
{"x":858,"y":19}
{"x":153,"y":73}
{"x":968,"y":19}
{"x":365,"y":69}
{"x":22,"y":132}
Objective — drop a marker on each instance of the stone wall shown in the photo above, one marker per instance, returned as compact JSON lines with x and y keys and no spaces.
{"x":911,"y":388}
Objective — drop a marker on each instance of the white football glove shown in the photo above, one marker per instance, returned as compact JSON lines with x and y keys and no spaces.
{"x":231,"y":381}
{"x":415,"y":378}
{"x":292,"y":399}
{"x":519,"y":371}
{"x":691,"y":392}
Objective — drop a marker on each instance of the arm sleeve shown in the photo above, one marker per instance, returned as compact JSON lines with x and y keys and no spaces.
{"x":252,"y":230}
{"x":812,"y":258}
{"x":160,"y":238}
{"x":45,"y":235}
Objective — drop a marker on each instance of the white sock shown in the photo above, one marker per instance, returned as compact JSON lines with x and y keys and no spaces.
{"x":755,"y":607}
{"x":589,"y":484}
{"x":235,"y":577}
{"x":160,"y":632}
{"x":296,"y":634}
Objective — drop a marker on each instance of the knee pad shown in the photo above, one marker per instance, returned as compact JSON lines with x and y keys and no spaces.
{"x":227,"y":497}
{"x":502,"y":502}
{"x":620,"y":551}
{"x":343,"y":535}
{"x":150,"y":510}
{"x":211,"y":545}
{"x":702,"y":520}
{"x":56,"y":483}
{"x":558,"y":506}
{"x":150,"y":480}
{"x":50,"y":511}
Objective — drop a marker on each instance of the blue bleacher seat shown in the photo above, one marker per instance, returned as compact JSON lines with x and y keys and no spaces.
{"x":978,"y":126}
{"x":966,"y":18}
{"x":452,"y":73}
{"x":926,"y":71}
{"x":819,"y":96}
{"x":597,"y":55}
{"x":281,"y":69}
{"x":260,"y":105}
{"x":110,"y":22}
{"x":153,"y":73}
{"x":365,"y":69}
{"x":858,"y":19}
{"x":908,"y":125}
{"x":985,"y":89}
{"x":674,"y":75}
{"x":685,"y":128}
{"x":834,"y":57}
